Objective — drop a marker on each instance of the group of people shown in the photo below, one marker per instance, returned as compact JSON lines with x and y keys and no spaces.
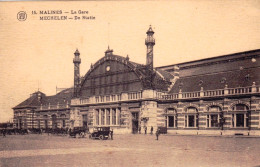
{"x":157,"y":133}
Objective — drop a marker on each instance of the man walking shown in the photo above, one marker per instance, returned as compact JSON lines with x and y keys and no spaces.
{"x":145,"y":130}
{"x":151,"y":130}
{"x":111,"y":134}
{"x":157,"y":134}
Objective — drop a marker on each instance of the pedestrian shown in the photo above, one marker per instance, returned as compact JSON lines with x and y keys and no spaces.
{"x":151,"y":130}
{"x":157,"y":134}
{"x":139,"y":129}
{"x":145,"y":129}
{"x":111,"y":134}
{"x":4,"y":132}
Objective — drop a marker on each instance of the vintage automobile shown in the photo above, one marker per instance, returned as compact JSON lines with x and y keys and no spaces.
{"x":162,"y":130}
{"x":77,"y":132}
{"x":101,"y":133}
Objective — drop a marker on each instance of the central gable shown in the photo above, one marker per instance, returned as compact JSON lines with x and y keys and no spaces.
{"x":112,"y":74}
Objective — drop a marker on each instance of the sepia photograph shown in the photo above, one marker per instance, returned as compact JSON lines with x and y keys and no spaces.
{"x":130,"y":83}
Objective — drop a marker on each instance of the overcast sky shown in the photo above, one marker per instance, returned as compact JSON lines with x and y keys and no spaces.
{"x":36,"y":52}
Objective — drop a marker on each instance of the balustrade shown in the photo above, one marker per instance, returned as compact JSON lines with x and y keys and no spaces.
{"x":209,"y":93}
{"x":165,"y":96}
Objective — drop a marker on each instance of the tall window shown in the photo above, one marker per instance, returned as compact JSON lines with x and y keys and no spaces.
{"x":240,"y":116}
{"x":113,"y":116}
{"x":171,"y":118}
{"x":108,"y":117}
{"x":45,"y":117}
{"x":39,"y":124}
{"x":63,"y":122}
{"x":97,"y":117}
{"x":213,"y":116}
{"x":102,"y":117}
{"x":54,"y":121}
{"x":191,"y":117}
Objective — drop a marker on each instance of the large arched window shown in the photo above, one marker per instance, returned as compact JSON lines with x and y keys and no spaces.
{"x":191,"y":117}
{"x":213,"y":117}
{"x":239,"y":116}
{"x":171,"y":118}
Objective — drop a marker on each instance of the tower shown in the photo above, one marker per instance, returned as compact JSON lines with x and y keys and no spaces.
{"x":149,"y":42}
{"x":76,"y":62}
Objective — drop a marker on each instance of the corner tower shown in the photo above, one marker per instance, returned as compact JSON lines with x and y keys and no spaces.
{"x":76,"y":62}
{"x":149,"y":42}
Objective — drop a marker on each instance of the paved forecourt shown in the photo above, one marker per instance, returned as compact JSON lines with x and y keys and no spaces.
{"x":129,"y":150}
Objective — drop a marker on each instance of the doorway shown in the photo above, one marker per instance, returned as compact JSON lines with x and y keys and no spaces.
{"x":135,"y":123}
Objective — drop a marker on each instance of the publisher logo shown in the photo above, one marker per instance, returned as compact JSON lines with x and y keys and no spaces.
{"x":21,"y":16}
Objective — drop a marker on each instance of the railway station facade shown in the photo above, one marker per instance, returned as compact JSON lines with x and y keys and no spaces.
{"x":219,"y":95}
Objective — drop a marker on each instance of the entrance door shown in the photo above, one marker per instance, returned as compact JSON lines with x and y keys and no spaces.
{"x":135,"y":116}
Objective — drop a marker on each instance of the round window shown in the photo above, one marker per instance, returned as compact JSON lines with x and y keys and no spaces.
{"x":108,"y":68}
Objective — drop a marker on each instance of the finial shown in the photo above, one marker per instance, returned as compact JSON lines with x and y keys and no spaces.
{"x":77,"y":51}
{"x":108,"y":51}
{"x":127,"y":58}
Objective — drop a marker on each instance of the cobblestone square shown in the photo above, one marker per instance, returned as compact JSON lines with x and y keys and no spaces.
{"x":129,"y":150}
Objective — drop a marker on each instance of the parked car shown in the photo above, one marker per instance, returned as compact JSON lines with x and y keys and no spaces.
{"x":101,"y":133}
{"x":77,"y":132}
{"x":162,"y":130}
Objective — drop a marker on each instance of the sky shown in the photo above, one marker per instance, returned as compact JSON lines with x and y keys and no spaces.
{"x":38,"y":54}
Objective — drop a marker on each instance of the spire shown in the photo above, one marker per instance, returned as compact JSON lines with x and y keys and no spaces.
{"x":76,"y":61}
{"x":150,"y":31}
{"x":77,"y":52}
{"x":149,"y":42}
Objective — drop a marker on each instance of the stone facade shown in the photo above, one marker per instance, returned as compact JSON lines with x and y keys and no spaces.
{"x":217,"y":96}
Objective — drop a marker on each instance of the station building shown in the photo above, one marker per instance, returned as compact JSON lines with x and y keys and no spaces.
{"x":219,"y":96}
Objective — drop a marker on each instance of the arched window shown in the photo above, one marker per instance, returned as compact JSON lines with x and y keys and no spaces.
{"x":191,"y":117}
{"x":213,"y":116}
{"x":239,"y":116}
{"x":171,"y":118}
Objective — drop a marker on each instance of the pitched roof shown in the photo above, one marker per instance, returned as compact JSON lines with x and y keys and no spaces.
{"x":236,"y":70}
{"x":38,"y":98}
{"x":32,"y":101}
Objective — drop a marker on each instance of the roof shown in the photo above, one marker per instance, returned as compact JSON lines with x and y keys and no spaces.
{"x":165,"y":75}
{"x":38,"y":98}
{"x":213,"y":60}
{"x":235,"y":70}
{"x":32,"y":101}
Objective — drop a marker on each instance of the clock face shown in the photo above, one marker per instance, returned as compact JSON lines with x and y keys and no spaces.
{"x":108,"y":68}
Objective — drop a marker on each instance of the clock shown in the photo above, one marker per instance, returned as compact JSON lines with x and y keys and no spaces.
{"x":108,"y":68}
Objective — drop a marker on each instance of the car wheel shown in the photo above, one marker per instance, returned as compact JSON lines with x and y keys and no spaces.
{"x":82,"y":134}
{"x":101,"y":137}
{"x":77,"y":135}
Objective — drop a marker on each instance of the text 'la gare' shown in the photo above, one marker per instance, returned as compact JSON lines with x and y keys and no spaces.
{"x":79,"y":12}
